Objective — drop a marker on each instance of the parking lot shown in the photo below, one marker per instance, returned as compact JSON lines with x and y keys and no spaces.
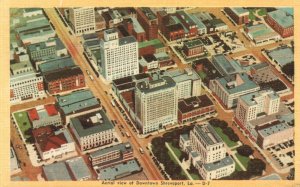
{"x":282,"y":154}
{"x":223,"y":43}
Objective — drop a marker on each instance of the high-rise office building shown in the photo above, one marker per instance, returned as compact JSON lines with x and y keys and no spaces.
{"x":82,"y":20}
{"x":119,"y":56}
{"x":156,"y":104}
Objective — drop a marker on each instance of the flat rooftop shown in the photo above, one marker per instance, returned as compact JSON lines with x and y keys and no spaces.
{"x":77,"y":101}
{"x":193,"y":43}
{"x":261,"y":32}
{"x":194,"y":103}
{"x":57,"y":172}
{"x":62,"y":73}
{"x":179,"y":75}
{"x":225,"y":65}
{"x":148,"y":13}
{"x":246,"y":84}
{"x":239,"y":10}
{"x":282,"y":55}
{"x":78,"y":168}
{"x":283,"y":111}
{"x":155,"y":42}
{"x":55,"y":64}
{"x":119,"y":170}
{"x":164,"y":82}
{"x":137,"y":26}
{"x":91,"y":123}
{"x":250,"y":98}
{"x":208,"y":134}
{"x":273,"y":129}
{"x":282,"y":18}
{"x":219,"y":164}
{"x":123,"y":147}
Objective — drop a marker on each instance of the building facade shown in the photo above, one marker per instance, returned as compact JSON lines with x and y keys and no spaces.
{"x":229,"y":89}
{"x":92,"y":130}
{"x":194,"y":108}
{"x":44,"y":115}
{"x":53,"y":145}
{"x":65,"y":79}
{"x":25,"y":87}
{"x":110,"y":156}
{"x":119,"y":56}
{"x":148,"y":21}
{"x":209,"y":151}
{"x":193,"y":48}
{"x":281,"y":22}
{"x":82,"y":20}
{"x":156,"y":104}
{"x":238,"y":15}
{"x":250,"y":106}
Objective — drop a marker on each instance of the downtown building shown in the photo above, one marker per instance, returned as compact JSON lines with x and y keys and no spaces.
{"x":52,"y":144}
{"x":207,"y":152}
{"x":228,"y":89}
{"x":113,"y":155}
{"x":148,"y":20}
{"x":156,"y":104}
{"x":281,"y":22}
{"x":119,"y":56}
{"x":264,"y":118}
{"x":44,"y":115}
{"x":238,"y":14}
{"x":250,"y":106}
{"x":82,"y":20}
{"x":64,"y":79}
{"x":92,"y":130}
{"x":26,"y":86}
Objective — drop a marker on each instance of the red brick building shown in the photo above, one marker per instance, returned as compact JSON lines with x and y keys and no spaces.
{"x":134,"y":28}
{"x":148,"y":21}
{"x":174,"y":32}
{"x":238,"y":15}
{"x":65,"y":79}
{"x":281,"y":22}
{"x":193,"y":108}
{"x":193,"y":48}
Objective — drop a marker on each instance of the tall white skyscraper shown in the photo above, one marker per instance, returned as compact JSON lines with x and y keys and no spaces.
{"x":156,"y":104}
{"x":82,"y":20}
{"x":119,"y":56}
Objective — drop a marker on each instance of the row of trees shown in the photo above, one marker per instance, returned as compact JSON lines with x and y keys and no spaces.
{"x":226,"y":130}
{"x":161,"y":153}
{"x":255,"y":168}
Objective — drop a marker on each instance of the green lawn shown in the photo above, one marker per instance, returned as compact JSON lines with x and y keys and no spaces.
{"x":23,"y":122}
{"x":243,"y":159}
{"x":237,"y":167}
{"x":202,"y":74}
{"x":172,"y":157}
{"x":195,"y":176}
{"x":251,"y":14}
{"x":225,"y":137}
{"x":175,"y":150}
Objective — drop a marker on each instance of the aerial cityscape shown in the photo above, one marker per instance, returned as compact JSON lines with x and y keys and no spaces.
{"x":164,"y":93}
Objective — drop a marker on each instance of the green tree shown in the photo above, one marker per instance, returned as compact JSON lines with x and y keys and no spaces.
{"x":288,"y":69}
{"x":245,"y":150}
{"x":256,"y":167}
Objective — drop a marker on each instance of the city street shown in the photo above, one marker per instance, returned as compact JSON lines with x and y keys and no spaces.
{"x":103,"y":91}
{"x":98,"y":87}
